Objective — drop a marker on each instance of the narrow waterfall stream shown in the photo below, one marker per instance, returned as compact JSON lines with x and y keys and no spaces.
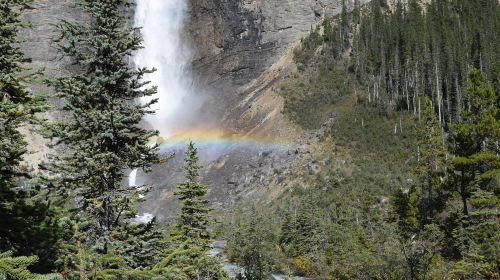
{"x":162,"y":23}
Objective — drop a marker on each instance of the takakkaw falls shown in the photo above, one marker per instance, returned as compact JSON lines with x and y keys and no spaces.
{"x":249,"y":139}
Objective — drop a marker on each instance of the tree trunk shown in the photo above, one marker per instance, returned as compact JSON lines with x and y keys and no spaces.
{"x":463,"y":194}
{"x":438,"y":92}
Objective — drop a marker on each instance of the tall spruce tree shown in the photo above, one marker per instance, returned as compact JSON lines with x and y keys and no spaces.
{"x":188,"y":243}
{"x":250,"y":245}
{"x":16,"y":108}
{"x":476,"y":139}
{"x":193,"y":219}
{"x":100,"y":133}
{"x":431,"y":161}
{"x":417,"y":206}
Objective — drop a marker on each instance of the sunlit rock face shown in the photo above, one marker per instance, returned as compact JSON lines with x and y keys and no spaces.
{"x":236,"y":40}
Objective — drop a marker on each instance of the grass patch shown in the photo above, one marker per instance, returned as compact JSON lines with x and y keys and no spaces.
{"x":310,"y":95}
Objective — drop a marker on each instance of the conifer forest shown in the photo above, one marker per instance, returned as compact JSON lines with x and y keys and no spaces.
{"x":249,"y":140}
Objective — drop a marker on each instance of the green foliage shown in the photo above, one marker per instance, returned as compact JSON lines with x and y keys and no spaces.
{"x":476,"y":140}
{"x":476,"y":166}
{"x":421,"y":251}
{"x":102,"y":139}
{"x":187,"y":243}
{"x":431,"y":167}
{"x":16,"y":268}
{"x":417,"y":206}
{"x":301,"y":230}
{"x":339,"y":226}
{"x":362,"y":67}
{"x":410,"y":56}
{"x":311,"y":93}
{"x":418,"y":49}
{"x":187,"y":261}
{"x":193,"y":220}
{"x":406,"y":205}
{"x":310,"y":96}
{"x":382,"y":160}
{"x":138,"y":243}
{"x":308,"y":48}
{"x":251,"y":245}
{"x":28,"y":224}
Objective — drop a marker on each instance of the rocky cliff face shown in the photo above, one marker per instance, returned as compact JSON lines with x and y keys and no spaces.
{"x":38,"y":45}
{"x":237,"y":40}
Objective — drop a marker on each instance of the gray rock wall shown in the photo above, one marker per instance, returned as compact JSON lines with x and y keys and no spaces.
{"x":236,"y":40}
{"x":38,"y":45}
{"x":39,"y":38}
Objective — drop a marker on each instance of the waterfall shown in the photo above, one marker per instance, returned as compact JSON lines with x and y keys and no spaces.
{"x":162,"y":25}
{"x":132,"y":178}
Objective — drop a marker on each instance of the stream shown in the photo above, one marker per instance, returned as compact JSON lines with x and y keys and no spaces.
{"x":233,"y":269}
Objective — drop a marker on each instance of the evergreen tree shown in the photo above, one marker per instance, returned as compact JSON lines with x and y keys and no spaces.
{"x":308,"y":237}
{"x":406,"y":205}
{"x":139,"y":243}
{"x":303,"y":236}
{"x":419,"y":48}
{"x":100,"y":131}
{"x":344,"y":28}
{"x":17,"y":268}
{"x":16,"y":108}
{"x":420,"y":250}
{"x":414,"y":55}
{"x":476,"y":173}
{"x":356,"y":12}
{"x":193,"y":220}
{"x":476,"y":139}
{"x":431,"y":161}
{"x":250,"y":245}
{"x":188,"y":241}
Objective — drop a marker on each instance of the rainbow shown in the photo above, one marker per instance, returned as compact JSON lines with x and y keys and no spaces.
{"x":217,"y":138}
